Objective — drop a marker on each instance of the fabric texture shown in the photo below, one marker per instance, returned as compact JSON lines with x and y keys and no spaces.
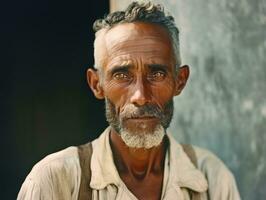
{"x":58,"y":176}
{"x":85,"y":152}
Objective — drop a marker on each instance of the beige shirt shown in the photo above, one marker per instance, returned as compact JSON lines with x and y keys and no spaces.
{"x":57,"y":176}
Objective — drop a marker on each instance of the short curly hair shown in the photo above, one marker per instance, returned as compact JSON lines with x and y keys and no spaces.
{"x":142,"y":12}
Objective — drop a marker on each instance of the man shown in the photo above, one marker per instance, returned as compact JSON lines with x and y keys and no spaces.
{"x":138,"y":72}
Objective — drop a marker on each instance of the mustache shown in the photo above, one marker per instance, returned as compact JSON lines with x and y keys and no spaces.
{"x":132,"y":111}
{"x":116,"y":118}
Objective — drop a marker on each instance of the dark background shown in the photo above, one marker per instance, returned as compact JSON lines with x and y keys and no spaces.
{"x":46,"y":103}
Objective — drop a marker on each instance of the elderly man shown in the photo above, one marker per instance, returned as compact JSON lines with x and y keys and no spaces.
{"x":138,"y":72}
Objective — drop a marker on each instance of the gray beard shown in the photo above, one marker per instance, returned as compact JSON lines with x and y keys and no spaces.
{"x":140,"y":138}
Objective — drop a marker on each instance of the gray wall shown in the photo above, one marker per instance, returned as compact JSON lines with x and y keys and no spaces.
{"x":223,"y":107}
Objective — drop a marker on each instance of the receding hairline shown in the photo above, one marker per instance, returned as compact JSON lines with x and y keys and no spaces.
{"x":100,"y":40}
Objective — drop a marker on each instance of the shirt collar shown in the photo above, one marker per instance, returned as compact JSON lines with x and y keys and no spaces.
{"x":182,"y":172}
{"x":103,"y":170}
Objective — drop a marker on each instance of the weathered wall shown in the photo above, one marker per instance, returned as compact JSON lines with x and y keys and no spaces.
{"x":223,"y":107}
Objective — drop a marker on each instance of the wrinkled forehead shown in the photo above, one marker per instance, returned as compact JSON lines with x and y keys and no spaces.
{"x":136,"y":32}
{"x":138,"y":38}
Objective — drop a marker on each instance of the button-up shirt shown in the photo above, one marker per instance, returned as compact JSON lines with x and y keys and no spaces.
{"x":58,"y":175}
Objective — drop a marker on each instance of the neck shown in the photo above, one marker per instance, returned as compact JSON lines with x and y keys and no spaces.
{"x":137,"y":162}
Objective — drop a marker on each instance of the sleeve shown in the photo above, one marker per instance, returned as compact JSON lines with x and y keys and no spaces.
{"x":29,"y":190}
{"x":224,"y":186}
{"x":221,"y":182}
{"x":41,"y":184}
{"x":55,"y":177}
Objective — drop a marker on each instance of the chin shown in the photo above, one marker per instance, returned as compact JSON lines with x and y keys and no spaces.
{"x":142,"y":137}
{"x":137,"y":127}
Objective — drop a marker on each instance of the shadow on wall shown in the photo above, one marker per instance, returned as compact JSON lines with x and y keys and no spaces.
{"x":47,"y":103}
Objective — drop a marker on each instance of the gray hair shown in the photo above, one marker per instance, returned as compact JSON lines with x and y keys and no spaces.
{"x":142,"y":12}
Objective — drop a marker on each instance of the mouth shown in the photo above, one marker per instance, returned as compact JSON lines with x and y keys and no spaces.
{"x":141,"y":122}
{"x":143,"y":118}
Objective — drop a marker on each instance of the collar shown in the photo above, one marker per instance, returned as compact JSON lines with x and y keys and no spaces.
{"x":182,"y":173}
{"x":103,"y":170}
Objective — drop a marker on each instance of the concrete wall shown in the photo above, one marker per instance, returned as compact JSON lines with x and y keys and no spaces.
{"x":223,"y":107}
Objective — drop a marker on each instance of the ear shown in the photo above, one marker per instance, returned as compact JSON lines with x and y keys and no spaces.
{"x":181,"y":79}
{"x":93,"y":80}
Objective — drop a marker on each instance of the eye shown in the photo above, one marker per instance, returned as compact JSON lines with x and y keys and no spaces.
{"x":157,"y":76}
{"x":121,"y":76}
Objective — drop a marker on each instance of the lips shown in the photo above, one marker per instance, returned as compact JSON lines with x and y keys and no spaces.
{"x":143,"y":118}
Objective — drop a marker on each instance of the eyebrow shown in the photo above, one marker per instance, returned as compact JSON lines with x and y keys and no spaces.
{"x":155,"y":67}
{"x":126,"y":68}
{"x":122,"y":68}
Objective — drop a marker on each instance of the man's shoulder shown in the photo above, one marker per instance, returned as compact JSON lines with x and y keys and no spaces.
{"x":208,"y":162}
{"x":54,"y":176}
{"x":56,"y":165}
{"x":220,"y":179}
{"x":61,"y":157}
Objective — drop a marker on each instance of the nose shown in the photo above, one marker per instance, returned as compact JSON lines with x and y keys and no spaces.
{"x":140,"y":94}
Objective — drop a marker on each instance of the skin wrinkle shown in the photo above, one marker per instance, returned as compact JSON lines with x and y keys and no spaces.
{"x":129,"y":85}
{"x":137,"y":46}
{"x":137,"y":49}
{"x":126,"y":59}
{"x":103,"y":40}
{"x":131,"y":111}
{"x":138,"y":61}
{"x":146,"y":138}
{"x":120,"y":36}
{"x":112,"y":85}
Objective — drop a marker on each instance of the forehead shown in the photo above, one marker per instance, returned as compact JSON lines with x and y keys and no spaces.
{"x":139,"y":39}
{"x":136,"y":31}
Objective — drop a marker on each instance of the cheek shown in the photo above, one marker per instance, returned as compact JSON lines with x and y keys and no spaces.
{"x":163,"y":92}
{"x":116,"y":93}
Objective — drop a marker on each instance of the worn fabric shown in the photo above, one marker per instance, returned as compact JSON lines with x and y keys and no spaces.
{"x":58,"y":175}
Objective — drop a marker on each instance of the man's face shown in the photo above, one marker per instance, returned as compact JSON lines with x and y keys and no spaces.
{"x":138,"y":78}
